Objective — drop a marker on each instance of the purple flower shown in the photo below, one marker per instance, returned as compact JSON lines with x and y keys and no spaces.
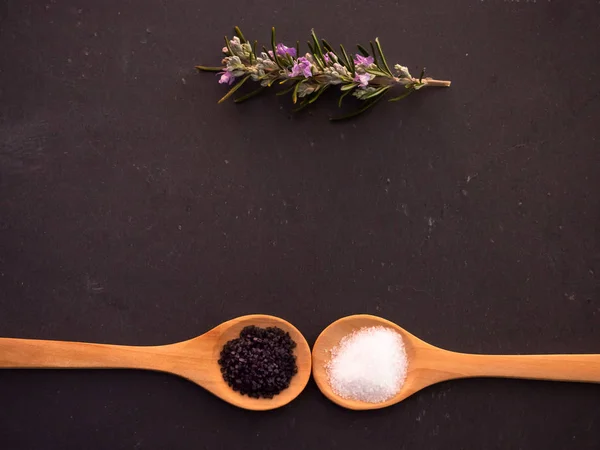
{"x":282,"y":50}
{"x":302,"y":66}
{"x":327,"y":58}
{"x":226,"y":77}
{"x":364,"y":61}
{"x":363,"y":79}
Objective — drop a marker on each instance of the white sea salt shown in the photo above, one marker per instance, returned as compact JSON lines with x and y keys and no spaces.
{"x":368,"y":365}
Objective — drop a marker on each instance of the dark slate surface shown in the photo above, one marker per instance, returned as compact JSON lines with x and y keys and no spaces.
{"x":134,"y":210}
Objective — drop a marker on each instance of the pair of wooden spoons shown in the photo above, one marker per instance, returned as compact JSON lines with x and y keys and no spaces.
{"x":196,"y":359}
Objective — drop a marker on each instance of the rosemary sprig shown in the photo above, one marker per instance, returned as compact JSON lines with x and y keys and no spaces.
{"x":366,"y":75}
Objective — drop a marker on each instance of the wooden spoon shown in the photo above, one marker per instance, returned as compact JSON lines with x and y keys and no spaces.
{"x":428,"y":365}
{"x":195,"y":359}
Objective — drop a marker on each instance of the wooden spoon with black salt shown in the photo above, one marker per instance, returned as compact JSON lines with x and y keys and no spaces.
{"x":195,"y":359}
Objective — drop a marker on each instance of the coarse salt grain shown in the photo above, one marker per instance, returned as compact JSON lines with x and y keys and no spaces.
{"x":368,"y":365}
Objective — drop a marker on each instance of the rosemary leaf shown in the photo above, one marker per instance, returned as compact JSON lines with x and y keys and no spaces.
{"x":243,"y":98}
{"x":348,"y":87}
{"x":385,"y":64}
{"x":358,"y":111}
{"x":233,"y":89}
{"x":362,"y":50}
{"x":376,"y":72}
{"x":275,"y":57}
{"x":328,"y":47}
{"x":210,"y":69}
{"x":379,"y":91}
{"x":317,"y":94}
{"x":348,"y":62}
{"x":289,"y":79}
{"x":317,"y":45}
{"x":342,"y":98}
{"x":295,"y":93}
{"x":286,"y":91}
{"x":267,"y":52}
{"x":303,"y":105}
{"x":228,"y":45}
{"x":313,"y":52}
{"x":400,"y":97}
{"x":351,"y":61}
{"x":240,"y":34}
{"x":252,"y":56}
{"x":374,"y":53}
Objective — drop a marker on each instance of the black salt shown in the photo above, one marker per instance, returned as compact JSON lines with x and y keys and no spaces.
{"x":260,"y":363}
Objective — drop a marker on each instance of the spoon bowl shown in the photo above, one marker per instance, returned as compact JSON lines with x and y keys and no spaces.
{"x":195,"y":359}
{"x":429,"y":365}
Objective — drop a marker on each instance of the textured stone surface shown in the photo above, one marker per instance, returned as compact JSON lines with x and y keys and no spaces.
{"x":134,"y":210}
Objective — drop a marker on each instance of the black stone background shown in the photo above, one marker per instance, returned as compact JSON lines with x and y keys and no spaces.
{"x":134,"y":210}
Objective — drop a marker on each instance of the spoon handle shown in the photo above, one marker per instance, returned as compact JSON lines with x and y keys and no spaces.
{"x":33,"y":353}
{"x":583,"y":368}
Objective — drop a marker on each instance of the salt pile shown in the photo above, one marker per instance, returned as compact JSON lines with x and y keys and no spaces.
{"x":368,"y":365}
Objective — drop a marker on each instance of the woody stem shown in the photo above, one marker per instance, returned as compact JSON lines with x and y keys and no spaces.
{"x":436,"y":83}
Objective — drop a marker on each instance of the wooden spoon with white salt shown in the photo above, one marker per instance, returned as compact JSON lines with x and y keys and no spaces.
{"x":428,"y":364}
